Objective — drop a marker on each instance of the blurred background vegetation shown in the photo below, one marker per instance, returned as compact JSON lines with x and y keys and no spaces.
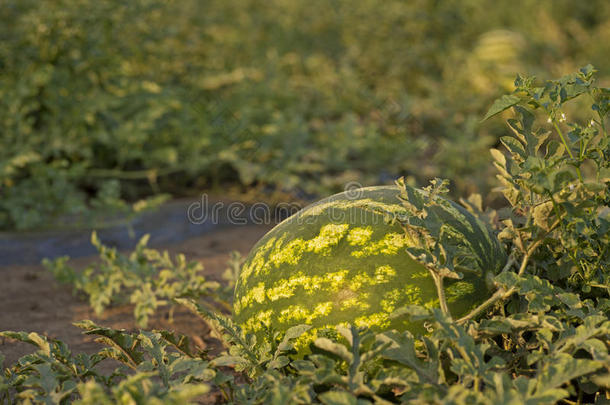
{"x":106,"y":103}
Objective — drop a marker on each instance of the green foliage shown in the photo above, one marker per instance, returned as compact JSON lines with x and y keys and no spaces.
{"x":452,"y":364}
{"x":551,"y":359}
{"x":146,"y":278}
{"x":155,"y":367}
{"x":542,"y":338}
{"x":107,"y":102}
{"x":139,"y":388}
{"x":556,"y":178}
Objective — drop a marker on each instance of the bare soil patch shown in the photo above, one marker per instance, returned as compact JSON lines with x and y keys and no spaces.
{"x":31,"y":300}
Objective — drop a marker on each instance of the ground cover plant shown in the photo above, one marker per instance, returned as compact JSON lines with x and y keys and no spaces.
{"x":543,"y":336}
{"x":146,"y":278}
{"x":104,"y":104}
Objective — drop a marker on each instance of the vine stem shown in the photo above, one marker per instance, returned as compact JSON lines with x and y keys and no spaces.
{"x":438,"y":281}
{"x":565,"y":143}
{"x":501,"y":293}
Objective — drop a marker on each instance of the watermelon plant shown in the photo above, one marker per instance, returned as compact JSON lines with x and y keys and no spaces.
{"x":106,"y":103}
{"x":542,"y":336}
{"x":147,"y":278}
{"x":54,"y":375}
{"x":341,"y":261}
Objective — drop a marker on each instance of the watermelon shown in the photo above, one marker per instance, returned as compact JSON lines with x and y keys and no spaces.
{"x":340,"y":261}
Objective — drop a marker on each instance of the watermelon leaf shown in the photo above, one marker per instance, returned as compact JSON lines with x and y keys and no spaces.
{"x":500,"y":105}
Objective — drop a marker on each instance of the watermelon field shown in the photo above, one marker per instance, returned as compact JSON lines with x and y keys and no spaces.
{"x":289,"y":202}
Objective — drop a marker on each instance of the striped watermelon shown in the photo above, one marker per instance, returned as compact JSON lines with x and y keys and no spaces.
{"x":338,"y":261}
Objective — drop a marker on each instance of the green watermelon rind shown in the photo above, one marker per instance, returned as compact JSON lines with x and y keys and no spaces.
{"x":338,"y":261}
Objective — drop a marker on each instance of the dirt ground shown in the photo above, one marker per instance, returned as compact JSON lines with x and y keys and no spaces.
{"x":30,"y":299}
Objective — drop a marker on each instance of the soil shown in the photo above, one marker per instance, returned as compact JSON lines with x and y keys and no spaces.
{"x":31,"y":300}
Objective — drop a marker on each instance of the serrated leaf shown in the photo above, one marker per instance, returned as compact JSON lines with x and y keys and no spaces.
{"x":335,"y":348}
{"x":499,"y":157}
{"x":279,"y":362}
{"x":20,"y":336}
{"x":291,"y":334}
{"x":47,"y":378}
{"x":123,"y":342}
{"x":402,"y":350}
{"x":554,"y":149}
{"x":514,"y":146}
{"x":542,"y":215}
{"x":570,"y":299}
{"x":561,"y":368}
{"x":503,"y":103}
{"x":347,"y":333}
{"x":413,"y":312}
{"x":228,"y":361}
{"x":507,"y":278}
